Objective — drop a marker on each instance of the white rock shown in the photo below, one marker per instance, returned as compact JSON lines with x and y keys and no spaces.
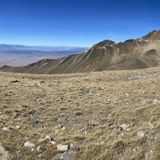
{"x":66,"y":156}
{"x":29,"y":145}
{"x":110,"y":115}
{"x":53,"y":142}
{"x":40,"y":149}
{"x":48,"y":138}
{"x":72,"y":145}
{"x":123,"y":126}
{"x":127,"y":94}
{"x":18,"y":127}
{"x":155,"y":101}
{"x":63,"y":128}
{"x":102,"y":142}
{"x":115,"y":102}
{"x":4,"y":155}
{"x":128,"y":129}
{"x":63,"y":148}
{"x":19,"y":154}
{"x":141,"y":134}
{"x":5,"y":129}
{"x":134,"y":150}
{"x":148,"y":155}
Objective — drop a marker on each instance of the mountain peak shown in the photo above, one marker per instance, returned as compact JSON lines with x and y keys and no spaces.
{"x":154,"y":35}
{"x":105,"y":43}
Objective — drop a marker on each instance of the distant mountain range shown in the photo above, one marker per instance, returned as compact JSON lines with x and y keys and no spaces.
{"x":20,"y":55}
{"x":10,"y":47}
{"x":137,"y":53}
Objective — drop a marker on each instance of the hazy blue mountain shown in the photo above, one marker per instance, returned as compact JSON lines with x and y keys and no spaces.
{"x":10,"y":47}
{"x":19,"y":55}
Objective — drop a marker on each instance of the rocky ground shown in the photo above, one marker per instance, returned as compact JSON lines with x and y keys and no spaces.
{"x":112,"y":115}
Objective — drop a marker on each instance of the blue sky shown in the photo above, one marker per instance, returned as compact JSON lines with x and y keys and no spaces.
{"x":75,"y":22}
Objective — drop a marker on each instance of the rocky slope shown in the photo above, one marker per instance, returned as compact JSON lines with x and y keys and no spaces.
{"x":132,"y":54}
{"x":111,"y":115}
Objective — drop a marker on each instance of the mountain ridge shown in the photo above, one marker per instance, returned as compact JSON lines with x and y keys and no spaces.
{"x":137,"y":53}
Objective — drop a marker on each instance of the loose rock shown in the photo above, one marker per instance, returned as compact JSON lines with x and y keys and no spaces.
{"x":63,"y":148}
{"x":141,"y":134}
{"x":4,"y":155}
{"x":123,"y":126}
{"x":66,"y":156}
{"x":29,"y":145}
{"x":5,"y":129}
{"x":40,"y":149}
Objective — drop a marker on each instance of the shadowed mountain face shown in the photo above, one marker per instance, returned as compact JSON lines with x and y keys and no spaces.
{"x":107,"y":55}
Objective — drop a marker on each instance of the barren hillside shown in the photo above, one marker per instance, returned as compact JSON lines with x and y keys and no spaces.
{"x":110,"y":115}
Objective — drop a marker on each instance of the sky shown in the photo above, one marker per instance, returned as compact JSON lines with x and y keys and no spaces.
{"x":76,"y":22}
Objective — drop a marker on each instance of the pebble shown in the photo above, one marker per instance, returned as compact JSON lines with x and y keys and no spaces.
{"x":4,"y":155}
{"x":53,"y":142}
{"x":63,"y":148}
{"x":18,"y":127}
{"x":110,"y":115}
{"x":127,"y":94}
{"x":29,"y":145}
{"x":5,"y":129}
{"x":48,"y":138}
{"x":66,"y":156}
{"x":123,"y":126}
{"x":40,"y":149}
{"x":141,"y":134}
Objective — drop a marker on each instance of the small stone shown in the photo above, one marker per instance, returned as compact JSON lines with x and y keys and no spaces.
{"x":18,"y":127}
{"x":102,"y":142}
{"x":141,"y":134}
{"x":123,"y":126}
{"x":63,"y":128}
{"x":115,"y":102}
{"x":53,"y":142}
{"x":155,"y":101}
{"x":29,"y":145}
{"x":110,"y":115}
{"x":5,"y":129}
{"x":100,"y":88}
{"x":40,"y":149}
{"x":127,"y":94}
{"x":4,"y":155}
{"x":19,"y":154}
{"x":48,"y":138}
{"x":66,"y":156}
{"x":63,"y":148}
{"x":72,"y":145}
{"x":148,"y":155}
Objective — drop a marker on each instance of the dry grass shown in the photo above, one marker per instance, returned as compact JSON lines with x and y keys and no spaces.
{"x":86,"y":111}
